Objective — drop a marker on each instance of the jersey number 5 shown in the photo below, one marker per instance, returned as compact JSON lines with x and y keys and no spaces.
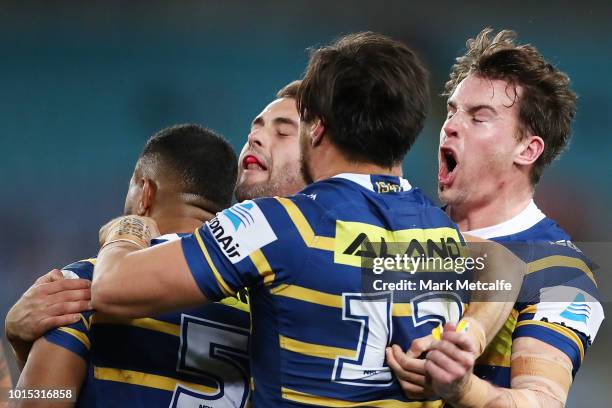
{"x":218,"y":352}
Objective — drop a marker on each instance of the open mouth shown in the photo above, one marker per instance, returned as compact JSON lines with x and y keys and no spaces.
{"x":251,"y":162}
{"x":448,"y":166}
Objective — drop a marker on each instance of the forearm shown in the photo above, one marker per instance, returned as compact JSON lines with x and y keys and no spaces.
{"x":51,"y":367}
{"x":132,"y":282}
{"x":20,"y":348}
{"x":490,"y":309}
{"x":112,"y":288}
{"x":482,"y":394}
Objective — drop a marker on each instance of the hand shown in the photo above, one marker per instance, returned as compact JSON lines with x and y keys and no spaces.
{"x":409,"y":368}
{"x":449,"y":364}
{"x":50,"y":302}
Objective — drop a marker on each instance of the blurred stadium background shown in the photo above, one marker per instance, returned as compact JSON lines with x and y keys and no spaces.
{"x":84,"y":84}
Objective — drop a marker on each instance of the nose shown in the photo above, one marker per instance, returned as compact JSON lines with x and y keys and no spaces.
{"x":256,"y":137}
{"x":451,"y":127}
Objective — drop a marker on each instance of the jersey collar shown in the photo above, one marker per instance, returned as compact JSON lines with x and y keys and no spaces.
{"x":368,"y":181}
{"x":526,"y":219}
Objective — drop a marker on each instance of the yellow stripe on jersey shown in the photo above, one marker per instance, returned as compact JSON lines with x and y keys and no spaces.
{"x":308,"y":295}
{"x":560,"y":260}
{"x":90,"y":260}
{"x":327,"y":299}
{"x":304,"y":398}
{"x":559,"y":329}
{"x":263,"y":266}
{"x":310,"y":239}
{"x":356,"y":239}
{"x":227,"y":291}
{"x":235,"y":303}
{"x":147,"y":380}
{"x":315,"y":350}
{"x":144,"y":323}
{"x":80,"y":336}
{"x":86,"y":322}
{"x":401,"y":310}
{"x":530,"y":309}
{"x":499,"y":351}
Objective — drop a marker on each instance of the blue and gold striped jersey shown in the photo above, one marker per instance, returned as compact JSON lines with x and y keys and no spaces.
{"x":558,"y":303}
{"x":318,"y":334}
{"x":193,"y":358}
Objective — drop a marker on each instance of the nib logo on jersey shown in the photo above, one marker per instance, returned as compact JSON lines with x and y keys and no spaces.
{"x":240,"y":230}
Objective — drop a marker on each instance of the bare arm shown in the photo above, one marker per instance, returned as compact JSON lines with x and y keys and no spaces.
{"x":134,"y":282}
{"x":541,"y":375}
{"x":489,"y":310}
{"x":53,"y":367}
{"x":486,"y":314}
{"x":5,"y":375}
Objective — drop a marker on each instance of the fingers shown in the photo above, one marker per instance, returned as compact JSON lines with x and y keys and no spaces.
{"x":438,"y":374}
{"x":419,"y":346}
{"x":412,"y":383}
{"x":69,"y":296}
{"x":65,"y":308}
{"x":461,"y":340}
{"x":448,"y":355}
{"x":414,"y":391}
{"x":63,"y":285}
{"x":51,"y":276}
{"x":414,"y":365}
{"x":58,"y":321}
{"x":56,"y":275}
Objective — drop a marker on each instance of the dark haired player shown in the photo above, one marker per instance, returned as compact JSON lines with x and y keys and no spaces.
{"x":509,"y":116}
{"x":196,"y":357}
{"x":316,"y":338}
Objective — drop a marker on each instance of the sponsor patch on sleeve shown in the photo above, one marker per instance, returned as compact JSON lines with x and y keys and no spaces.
{"x":570,"y":307}
{"x":240,"y":230}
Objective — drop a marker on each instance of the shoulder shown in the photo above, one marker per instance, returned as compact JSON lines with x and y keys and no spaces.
{"x":82,"y":269}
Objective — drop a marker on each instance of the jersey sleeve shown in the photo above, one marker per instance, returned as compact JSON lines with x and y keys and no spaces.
{"x":565,"y":313}
{"x":229,"y":252}
{"x":75,"y":337}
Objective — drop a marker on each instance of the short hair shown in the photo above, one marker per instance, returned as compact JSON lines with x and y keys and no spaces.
{"x":290,"y":90}
{"x":547,"y":105}
{"x":202,"y":161}
{"x":370,"y":92}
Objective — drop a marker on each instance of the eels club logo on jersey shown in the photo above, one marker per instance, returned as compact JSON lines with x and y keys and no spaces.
{"x":240,"y":230}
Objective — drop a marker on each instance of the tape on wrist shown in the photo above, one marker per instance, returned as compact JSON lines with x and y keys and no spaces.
{"x":131,"y":241}
{"x":469,"y":326}
{"x":475,"y":394}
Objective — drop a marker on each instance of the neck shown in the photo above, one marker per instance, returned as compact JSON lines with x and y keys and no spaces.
{"x":331,"y":162}
{"x":495,"y":209}
{"x":183,"y":220}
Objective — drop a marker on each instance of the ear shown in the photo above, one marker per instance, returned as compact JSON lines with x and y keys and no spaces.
{"x":147,"y":196}
{"x":529,"y":150}
{"x":317,"y":131}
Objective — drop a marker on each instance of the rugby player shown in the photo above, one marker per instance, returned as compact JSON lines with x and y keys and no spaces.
{"x":509,"y":116}
{"x":316,"y":337}
{"x":273,"y":142}
{"x":184,"y":175}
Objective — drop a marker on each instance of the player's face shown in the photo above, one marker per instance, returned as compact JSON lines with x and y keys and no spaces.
{"x":478,"y":141}
{"x":269,"y":161}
